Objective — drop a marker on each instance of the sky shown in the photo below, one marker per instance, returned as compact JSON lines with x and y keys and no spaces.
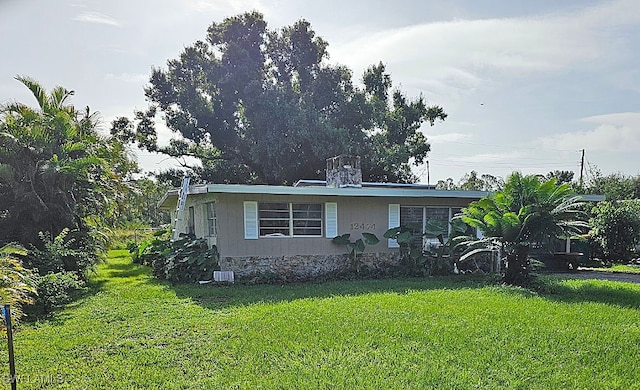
{"x":528,"y":85}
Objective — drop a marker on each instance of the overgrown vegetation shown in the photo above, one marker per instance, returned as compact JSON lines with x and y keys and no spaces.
{"x":453,"y":333}
{"x":616,"y":228}
{"x":436,"y":258}
{"x":186,"y":260}
{"x":61,"y":186}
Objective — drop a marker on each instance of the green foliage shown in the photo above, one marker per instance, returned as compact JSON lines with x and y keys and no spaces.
{"x":55,"y":290}
{"x":413,"y":261}
{"x":17,"y":285}
{"x":63,"y":253}
{"x":528,"y":210}
{"x":438,"y":260}
{"x":191,"y":260}
{"x":561,"y":176}
{"x":61,"y":185}
{"x":56,"y":171}
{"x":256,"y":105}
{"x":185,"y":260}
{"x":616,"y":228}
{"x":356,"y":248}
{"x":614,"y":187}
{"x":138,"y":207}
{"x":472,"y":182}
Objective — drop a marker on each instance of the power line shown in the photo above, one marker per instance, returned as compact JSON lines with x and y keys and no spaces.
{"x":504,"y":146}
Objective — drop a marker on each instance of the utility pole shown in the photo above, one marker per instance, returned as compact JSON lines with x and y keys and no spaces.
{"x":581,"y":168}
{"x":428,"y":174}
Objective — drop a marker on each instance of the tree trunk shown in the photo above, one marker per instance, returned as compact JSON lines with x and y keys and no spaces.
{"x":517,"y":272}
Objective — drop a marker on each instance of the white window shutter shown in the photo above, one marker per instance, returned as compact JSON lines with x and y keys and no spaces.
{"x":394,"y":222}
{"x":250,"y":220}
{"x":331,"y":219}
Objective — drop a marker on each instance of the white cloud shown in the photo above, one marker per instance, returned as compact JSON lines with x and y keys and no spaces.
{"x":96,"y":17}
{"x":618,"y":132}
{"x":488,"y":157}
{"x":225,"y":5}
{"x":135,"y":78}
{"x":449,"y":137}
{"x":455,"y":57}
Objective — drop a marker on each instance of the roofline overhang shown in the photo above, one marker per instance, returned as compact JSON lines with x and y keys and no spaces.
{"x":375,"y":192}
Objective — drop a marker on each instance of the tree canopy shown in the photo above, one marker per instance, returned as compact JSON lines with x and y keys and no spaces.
{"x":472,"y":182}
{"x":56,"y":171}
{"x":256,"y":105}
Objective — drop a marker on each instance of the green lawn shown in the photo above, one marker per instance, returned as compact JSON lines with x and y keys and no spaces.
{"x":629,"y":269}
{"x":135,"y":332}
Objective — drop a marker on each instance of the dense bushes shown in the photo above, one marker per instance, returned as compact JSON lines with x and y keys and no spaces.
{"x":62,"y":184}
{"x":61,"y":266}
{"x":188,"y":259}
{"x":55,"y":290}
{"x":616,"y":228}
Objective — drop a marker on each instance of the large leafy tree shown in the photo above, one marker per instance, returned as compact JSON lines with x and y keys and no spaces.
{"x":56,"y":171}
{"x":528,"y":210}
{"x":616,"y":228}
{"x":260,"y":105}
{"x":615,"y":186}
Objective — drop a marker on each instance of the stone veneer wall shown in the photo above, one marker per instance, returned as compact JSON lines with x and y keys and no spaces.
{"x":303,"y":267}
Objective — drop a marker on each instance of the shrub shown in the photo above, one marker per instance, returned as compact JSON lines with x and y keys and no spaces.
{"x":186,"y":260}
{"x":66,"y":252}
{"x":54,"y":290}
{"x":191,"y":260}
{"x":17,"y":284}
{"x":616,"y":228}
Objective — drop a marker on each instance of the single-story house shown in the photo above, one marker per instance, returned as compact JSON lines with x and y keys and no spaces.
{"x":287,"y":230}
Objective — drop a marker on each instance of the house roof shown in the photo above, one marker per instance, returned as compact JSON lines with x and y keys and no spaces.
{"x":308,"y":190}
{"x":315,"y":183}
{"x":374,"y":191}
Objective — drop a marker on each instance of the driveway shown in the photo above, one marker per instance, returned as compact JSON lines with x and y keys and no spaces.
{"x":601,"y":275}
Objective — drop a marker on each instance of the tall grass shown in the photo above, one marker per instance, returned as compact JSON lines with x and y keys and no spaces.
{"x":136,"y":332}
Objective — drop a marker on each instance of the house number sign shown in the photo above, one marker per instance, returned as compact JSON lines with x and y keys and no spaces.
{"x":363,"y":226}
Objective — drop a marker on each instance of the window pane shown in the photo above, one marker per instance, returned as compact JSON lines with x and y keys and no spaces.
{"x":274,"y":219}
{"x":438,"y":217}
{"x":273,"y":210}
{"x":411,"y":217}
{"x":211,"y":219}
{"x":307,"y":219}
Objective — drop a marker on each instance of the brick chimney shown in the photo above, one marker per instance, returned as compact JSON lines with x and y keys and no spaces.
{"x":344,"y":171}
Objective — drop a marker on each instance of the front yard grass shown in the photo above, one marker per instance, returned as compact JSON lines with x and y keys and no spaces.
{"x":136,"y":332}
{"x":624,"y":268}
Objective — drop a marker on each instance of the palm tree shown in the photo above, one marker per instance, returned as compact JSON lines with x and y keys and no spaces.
{"x":525,"y":212}
{"x":42,"y":150}
{"x":55,"y":169}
